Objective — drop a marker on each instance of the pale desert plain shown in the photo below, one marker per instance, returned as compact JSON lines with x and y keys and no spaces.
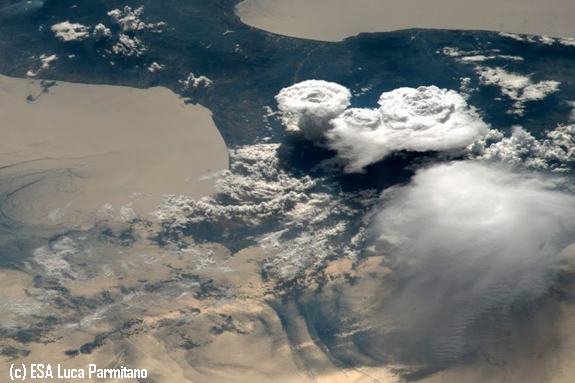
{"x":335,"y":20}
{"x":70,"y":152}
{"x":76,"y":156}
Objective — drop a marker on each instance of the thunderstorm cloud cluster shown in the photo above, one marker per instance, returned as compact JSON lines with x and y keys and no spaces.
{"x":475,"y":235}
{"x":424,"y":119}
{"x":470,"y":240}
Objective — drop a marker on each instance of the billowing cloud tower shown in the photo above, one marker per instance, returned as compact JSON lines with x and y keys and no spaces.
{"x":309,"y":106}
{"x":424,"y":119}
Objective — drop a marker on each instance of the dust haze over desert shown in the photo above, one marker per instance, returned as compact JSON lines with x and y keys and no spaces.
{"x":232,"y":191}
{"x":335,"y":20}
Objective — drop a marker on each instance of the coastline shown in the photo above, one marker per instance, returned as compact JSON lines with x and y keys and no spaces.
{"x":329,"y":20}
{"x":73,"y":151}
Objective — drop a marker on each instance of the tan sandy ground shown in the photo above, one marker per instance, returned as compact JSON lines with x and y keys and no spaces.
{"x":237,"y":337}
{"x":334,"y":20}
{"x":251,"y":347}
{"x":199,"y":314}
{"x":78,"y":147}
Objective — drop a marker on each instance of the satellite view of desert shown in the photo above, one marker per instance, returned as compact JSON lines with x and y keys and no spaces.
{"x":288,"y":191}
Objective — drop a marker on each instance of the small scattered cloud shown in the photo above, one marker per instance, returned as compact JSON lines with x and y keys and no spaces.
{"x":67,"y":31}
{"x":101,"y":32}
{"x":477,"y":56}
{"x":255,"y":185}
{"x":520,"y":89}
{"x":567,"y":41}
{"x":572,"y":114}
{"x":46,"y":61}
{"x":154,"y":67}
{"x":130,"y":20}
{"x":127,"y":19}
{"x":129,"y":46}
{"x":54,"y":258}
{"x":125,"y":36}
{"x":300,"y":220}
{"x":512,"y":36}
{"x":193,"y":82}
{"x":545,"y":40}
{"x":466,"y":89}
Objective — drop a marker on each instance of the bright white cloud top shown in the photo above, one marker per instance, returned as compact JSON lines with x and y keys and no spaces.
{"x":130,"y":20}
{"x":127,"y":46}
{"x":101,"y":32}
{"x":67,"y":31}
{"x":193,"y":82}
{"x":309,"y":106}
{"x":422,"y":119}
{"x":127,"y":19}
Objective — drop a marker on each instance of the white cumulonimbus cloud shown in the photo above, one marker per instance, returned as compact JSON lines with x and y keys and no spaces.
{"x":424,"y":119}
{"x":420,"y":120}
{"x":309,"y":106}
{"x":473,"y":241}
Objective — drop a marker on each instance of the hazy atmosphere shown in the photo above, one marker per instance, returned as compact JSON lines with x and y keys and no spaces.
{"x":320,"y":191}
